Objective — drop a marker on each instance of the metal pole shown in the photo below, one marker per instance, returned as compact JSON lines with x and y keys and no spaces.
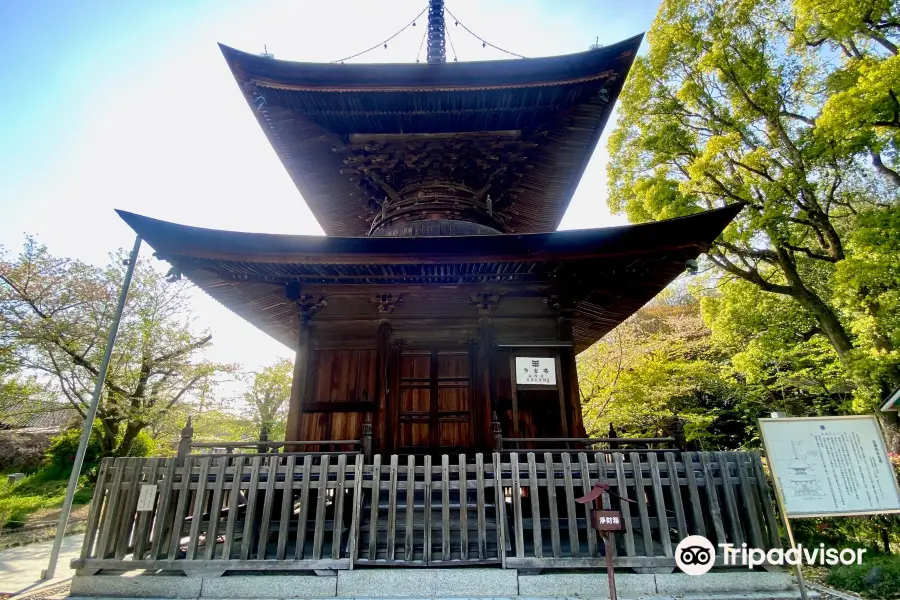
{"x":50,"y":571}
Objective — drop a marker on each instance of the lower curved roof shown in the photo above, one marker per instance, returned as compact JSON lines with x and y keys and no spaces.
{"x":609,"y":273}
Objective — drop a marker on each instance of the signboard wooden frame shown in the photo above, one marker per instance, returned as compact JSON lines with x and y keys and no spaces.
{"x":880,"y":442}
{"x":515,"y":388}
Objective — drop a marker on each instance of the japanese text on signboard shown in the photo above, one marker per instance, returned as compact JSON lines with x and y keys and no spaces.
{"x":535,"y":371}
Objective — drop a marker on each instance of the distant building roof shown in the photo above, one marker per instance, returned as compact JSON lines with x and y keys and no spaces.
{"x":40,"y":416}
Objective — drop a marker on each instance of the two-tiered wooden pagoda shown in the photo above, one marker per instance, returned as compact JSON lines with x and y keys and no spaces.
{"x":436,"y":327}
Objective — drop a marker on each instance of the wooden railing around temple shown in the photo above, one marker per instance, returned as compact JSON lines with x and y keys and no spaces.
{"x":210,"y":514}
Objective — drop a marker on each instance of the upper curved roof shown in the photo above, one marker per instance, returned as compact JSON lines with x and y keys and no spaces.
{"x":407,"y":77}
{"x":527,"y":128}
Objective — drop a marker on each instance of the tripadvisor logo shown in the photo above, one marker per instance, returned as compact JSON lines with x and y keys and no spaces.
{"x":696,"y":555}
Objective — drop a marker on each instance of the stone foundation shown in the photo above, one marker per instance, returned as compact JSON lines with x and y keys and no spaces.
{"x":441,"y":583}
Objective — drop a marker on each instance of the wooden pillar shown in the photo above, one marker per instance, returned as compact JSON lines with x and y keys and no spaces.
{"x":678,"y":434}
{"x":366,"y":439}
{"x":382,"y":430}
{"x":484,"y":387}
{"x":496,"y":433}
{"x":570,"y":370}
{"x":263,"y":437}
{"x":298,"y":386}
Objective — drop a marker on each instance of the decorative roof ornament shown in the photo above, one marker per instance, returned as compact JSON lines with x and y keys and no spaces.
{"x":437,"y":52}
{"x":596,"y":45}
{"x":386,"y":303}
{"x":265,"y":53}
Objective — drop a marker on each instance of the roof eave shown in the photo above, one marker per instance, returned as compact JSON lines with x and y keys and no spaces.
{"x":477,"y":75}
{"x":168,"y":238}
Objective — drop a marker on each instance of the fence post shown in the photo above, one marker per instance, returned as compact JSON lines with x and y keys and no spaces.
{"x":678,"y":434}
{"x":263,"y":437}
{"x":366,"y":439}
{"x":496,"y":432}
{"x":612,"y":435}
{"x":184,"y":446}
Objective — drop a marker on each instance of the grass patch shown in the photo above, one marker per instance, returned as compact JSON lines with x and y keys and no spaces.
{"x":878,"y":577}
{"x":36,"y":494}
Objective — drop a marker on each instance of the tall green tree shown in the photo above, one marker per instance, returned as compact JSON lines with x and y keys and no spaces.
{"x":267,"y":398}
{"x":58,"y":312}
{"x":726,"y":108}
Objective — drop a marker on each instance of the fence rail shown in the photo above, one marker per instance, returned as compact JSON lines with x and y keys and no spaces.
{"x":213,"y":513}
{"x":608,"y":445}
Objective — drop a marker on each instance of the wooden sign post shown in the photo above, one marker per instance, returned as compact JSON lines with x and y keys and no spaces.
{"x":606,"y":522}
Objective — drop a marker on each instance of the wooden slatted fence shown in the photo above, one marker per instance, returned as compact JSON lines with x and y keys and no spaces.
{"x":319,"y":511}
{"x":722,"y":495}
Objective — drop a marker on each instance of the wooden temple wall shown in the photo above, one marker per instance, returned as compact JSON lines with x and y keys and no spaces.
{"x":341,"y":390}
{"x":379,"y":369}
{"x":215,"y":513}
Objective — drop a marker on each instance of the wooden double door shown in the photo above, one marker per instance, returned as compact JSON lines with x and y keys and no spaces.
{"x":434,"y":401}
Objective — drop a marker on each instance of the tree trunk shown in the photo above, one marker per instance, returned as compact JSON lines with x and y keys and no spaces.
{"x":131,"y":432}
{"x":828,"y":321}
{"x":108,"y":434}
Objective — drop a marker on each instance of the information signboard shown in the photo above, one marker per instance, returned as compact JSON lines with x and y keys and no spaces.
{"x":535,"y":371}
{"x":830,"y":466}
{"x":147,"y":497}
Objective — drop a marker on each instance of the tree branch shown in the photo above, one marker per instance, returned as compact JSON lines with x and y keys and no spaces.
{"x":891,"y":174}
{"x":190,"y":384}
{"x":185,"y":350}
{"x":810,"y":253}
{"x":751,"y":275}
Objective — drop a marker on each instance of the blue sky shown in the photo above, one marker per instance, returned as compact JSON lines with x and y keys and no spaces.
{"x":129,"y":104}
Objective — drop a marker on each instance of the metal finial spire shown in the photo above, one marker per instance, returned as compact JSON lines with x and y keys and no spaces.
{"x":437,"y":53}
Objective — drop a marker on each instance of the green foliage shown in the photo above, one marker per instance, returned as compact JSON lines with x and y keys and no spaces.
{"x":773,"y":349}
{"x":42,"y":491}
{"x":63,"y":447}
{"x":877,"y":577}
{"x":789,"y":106}
{"x":18,"y":392}
{"x":210,"y":425}
{"x":658,"y":366}
{"x":57,"y":313}
{"x":867,"y":288}
{"x":266,"y":398}
{"x":877,"y":533}
{"x":861,"y":113}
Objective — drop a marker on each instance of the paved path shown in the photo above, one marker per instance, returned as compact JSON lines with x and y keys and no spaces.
{"x":20,"y":568}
